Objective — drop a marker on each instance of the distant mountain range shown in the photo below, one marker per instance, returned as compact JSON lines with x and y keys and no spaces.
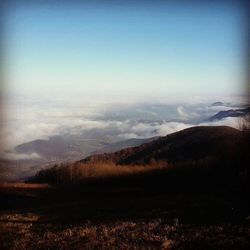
{"x":58,"y":148}
{"x":61,"y":148}
{"x":189,"y":144}
{"x":230,"y":113}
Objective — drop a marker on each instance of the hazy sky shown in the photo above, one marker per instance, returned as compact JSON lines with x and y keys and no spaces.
{"x":130,"y":48}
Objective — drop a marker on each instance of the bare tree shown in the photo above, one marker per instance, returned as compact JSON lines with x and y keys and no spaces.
{"x":244,"y":125}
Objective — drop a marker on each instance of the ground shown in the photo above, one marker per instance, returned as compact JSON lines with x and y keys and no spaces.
{"x":45,"y":217}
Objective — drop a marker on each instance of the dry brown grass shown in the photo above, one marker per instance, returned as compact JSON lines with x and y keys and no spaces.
{"x":78,"y":172}
{"x":88,"y":170}
{"x":22,"y":185}
{"x":129,"y":234}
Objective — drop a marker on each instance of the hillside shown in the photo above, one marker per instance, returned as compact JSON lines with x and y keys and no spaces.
{"x":200,"y":153}
{"x":72,"y":149}
{"x":62,"y":147}
{"x":134,"y":142}
{"x":189,"y":144}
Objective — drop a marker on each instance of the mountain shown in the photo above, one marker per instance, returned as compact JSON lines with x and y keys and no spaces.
{"x":61,"y":148}
{"x":58,"y":147}
{"x":217,"y":104}
{"x":230,"y":113}
{"x":56,"y":150}
{"x":189,"y":144}
{"x":113,"y":147}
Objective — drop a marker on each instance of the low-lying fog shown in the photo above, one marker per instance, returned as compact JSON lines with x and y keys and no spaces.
{"x":112,"y":120}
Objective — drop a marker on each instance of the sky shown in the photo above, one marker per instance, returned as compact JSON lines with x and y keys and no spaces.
{"x":132,"y":49}
{"x":125,"y":68}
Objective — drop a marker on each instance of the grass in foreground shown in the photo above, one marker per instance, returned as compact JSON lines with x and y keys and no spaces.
{"x":118,"y":234}
{"x":82,"y":218}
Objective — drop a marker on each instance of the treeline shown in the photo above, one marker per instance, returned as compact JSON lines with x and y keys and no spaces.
{"x":80,"y":172}
{"x":209,"y":173}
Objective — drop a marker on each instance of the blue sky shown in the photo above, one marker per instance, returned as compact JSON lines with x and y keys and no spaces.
{"x":124,"y":49}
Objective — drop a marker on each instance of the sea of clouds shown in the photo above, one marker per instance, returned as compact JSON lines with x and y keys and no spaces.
{"x":117,"y":119}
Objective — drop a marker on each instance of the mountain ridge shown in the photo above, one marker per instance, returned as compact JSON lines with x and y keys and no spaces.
{"x":189,"y":144}
{"x":230,"y":113}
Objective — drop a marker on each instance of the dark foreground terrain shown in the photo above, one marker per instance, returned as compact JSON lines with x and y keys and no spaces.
{"x":195,"y":197}
{"x":118,"y":217}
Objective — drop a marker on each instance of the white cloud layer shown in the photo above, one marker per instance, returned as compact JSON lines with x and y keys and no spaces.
{"x":24,"y":122}
{"x":18,"y":156}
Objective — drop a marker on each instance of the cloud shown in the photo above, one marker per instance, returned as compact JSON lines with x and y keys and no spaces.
{"x":181,"y":112}
{"x":141,"y":130}
{"x":17,"y":133}
{"x":171,"y":127}
{"x":229,"y":121}
{"x":17,"y":156}
{"x":27,"y":121}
